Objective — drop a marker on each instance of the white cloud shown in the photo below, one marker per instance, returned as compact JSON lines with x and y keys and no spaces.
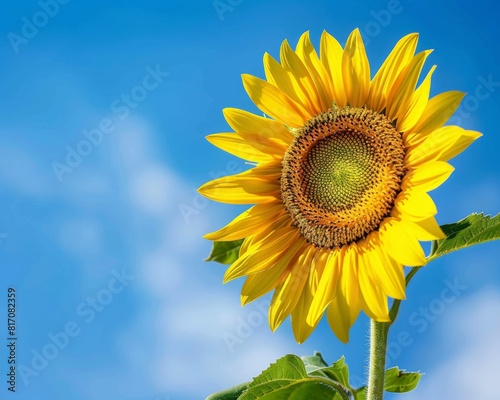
{"x":470,"y":333}
{"x":173,"y":342}
{"x":152,"y":189}
{"x":160,"y":274}
{"x":185,"y":351}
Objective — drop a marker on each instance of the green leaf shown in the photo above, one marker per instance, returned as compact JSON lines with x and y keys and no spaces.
{"x":289,"y":367}
{"x":400,"y":381}
{"x":474,"y":229}
{"x":339,"y":371}
{"x":311,"y":388}
{"x":288,"y":379}
{"x":229,"y":394}
{"x":314,"y":362}
{"x":225,"y":252}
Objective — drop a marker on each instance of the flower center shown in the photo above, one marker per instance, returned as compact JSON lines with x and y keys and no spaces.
{"x":341,"y":175}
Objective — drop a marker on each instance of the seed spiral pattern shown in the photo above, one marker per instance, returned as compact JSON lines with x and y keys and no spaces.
{"x":341,"y":175}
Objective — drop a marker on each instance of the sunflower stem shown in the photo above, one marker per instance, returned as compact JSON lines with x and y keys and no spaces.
{"x":379,"y":333}
{"x":378,"y":348}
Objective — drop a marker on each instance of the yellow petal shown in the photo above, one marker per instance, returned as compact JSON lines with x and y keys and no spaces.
{"x":317,"y":267}
{"x":401,"y":243}
{"x":387,"y":74}
{"x":274,"y":102}
{"x":287,"y":294}
{"x":243,"y":121}
{"x":428,"y":229}
{"x":348,"y":286}
{"x":271,"y":248}
{"x":415,"y":204}
{"x":278,"y":76}
{"x":253,"y":220}
{"x":356,"y":70}
{"x":402,"y":90}
{"x":253,"y":263}
{"x":374,"y":300}
{"x":259,"y":284}
{"x":331,"y":57}
{"x":305,"y":50}
{"x":268,"y":146}
{"x":386,"y":272}
{"x":301,"y":329}
{"x":344,"y":309}
{"x":240,"y":190}
{"x":432,"y":146}
{"x":244,"y":246}
{"x":306,"y":88}
{"x":300,"y":326}
{"x":464,"y":141}
{"x":341,"y":316}
{"x":427,"y":176}
{"x":438,"y":110}
{"x":251,"y":243}
{"x":440,"y":145}
{"x":416,"y":105}
{"x":235,"y":144}
{"x":257,"y":185}
{"x":326,"y":288}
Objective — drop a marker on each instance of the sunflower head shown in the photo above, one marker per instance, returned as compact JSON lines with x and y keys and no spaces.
{"x":343,"y":167}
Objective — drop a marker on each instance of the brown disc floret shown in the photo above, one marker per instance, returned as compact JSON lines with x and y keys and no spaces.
{"x":341,"y":175}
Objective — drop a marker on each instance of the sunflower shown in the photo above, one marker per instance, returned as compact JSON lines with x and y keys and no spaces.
{"x":342,"y":167}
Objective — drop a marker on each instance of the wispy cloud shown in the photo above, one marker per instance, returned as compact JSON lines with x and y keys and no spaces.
{"x":469,"y":336}
{"x":189,"y":319}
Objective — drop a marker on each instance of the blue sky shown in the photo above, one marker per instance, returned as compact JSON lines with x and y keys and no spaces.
{"x":113,"y":298}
